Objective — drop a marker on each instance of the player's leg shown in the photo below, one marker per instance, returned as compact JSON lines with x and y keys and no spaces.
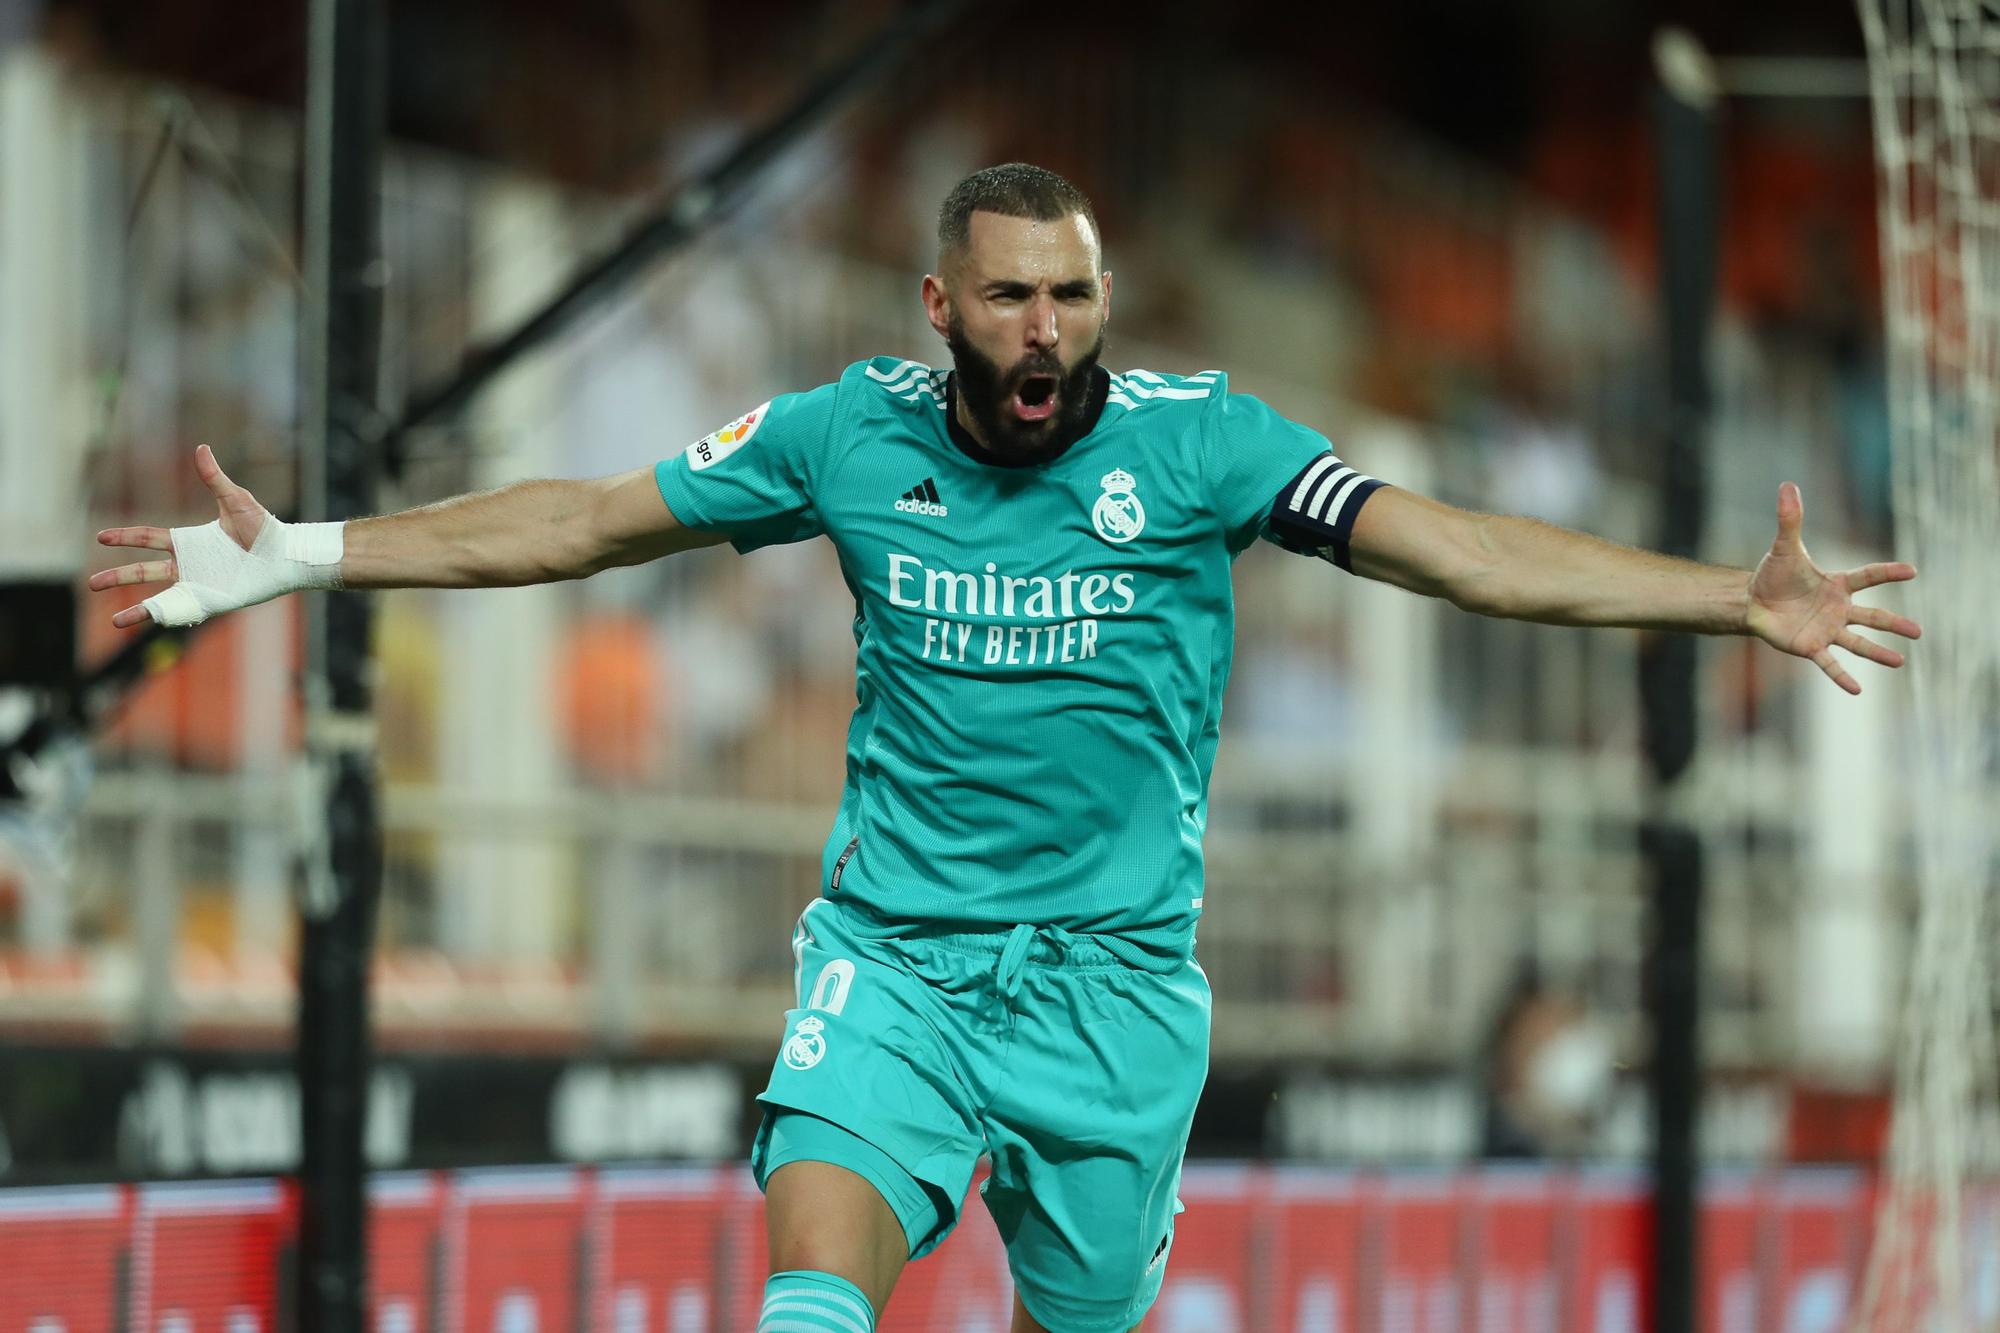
{"x":868,"y":1141}
{"x":825,"y":1221}
{"x":1087,"y":1140}
{"x":838,"y":1209}
{"x":1088,"y":1230}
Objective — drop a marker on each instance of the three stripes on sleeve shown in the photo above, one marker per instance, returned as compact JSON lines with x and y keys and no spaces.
{"x":1314,"y":514}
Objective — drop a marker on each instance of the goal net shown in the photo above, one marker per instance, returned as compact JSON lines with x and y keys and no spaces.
{"x":1934,"y":70}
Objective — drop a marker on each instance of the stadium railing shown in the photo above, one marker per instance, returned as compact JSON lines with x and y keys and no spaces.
{"x":586,"y":838}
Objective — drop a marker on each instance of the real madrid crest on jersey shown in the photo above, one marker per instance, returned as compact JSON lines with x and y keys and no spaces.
{"x":805,"y":1047}
{"x":1118,"y":516}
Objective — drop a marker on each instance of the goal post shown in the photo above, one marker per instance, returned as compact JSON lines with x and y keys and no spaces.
{"x":1934,"y":72}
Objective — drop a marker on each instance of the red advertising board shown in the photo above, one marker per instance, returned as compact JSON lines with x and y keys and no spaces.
{"x":61,"y":1255}
{"x":1417,"y":1275}
{"x":1608,"y":1248}
{"x":676,"y":1250}
{"x":514,"y":1242}
{"x":1817,"y":1252}
{"x":1210,"y":1286}
{"x":1732,"y":1218}
{"x":205,"y":1256}
{"x":1511,"y":1262}
{"x":662,"y":1247}
{"x":1313,"y":1223}
{"x":740,"y":1283}
{"x":405,"y":1252}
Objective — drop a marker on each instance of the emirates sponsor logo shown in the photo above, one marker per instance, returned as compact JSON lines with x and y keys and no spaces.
{"x":916,"y":586}
{"x":1054,"y":617}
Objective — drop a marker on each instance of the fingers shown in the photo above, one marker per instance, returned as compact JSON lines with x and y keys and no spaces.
{"x":1791,"y":514}
{"x":146,"y":571}
{"x":211,"y":474}
{"x":1823,"y":659}
{"x":1874,"y":617}
{"x":152,"y":539}
{"x":1868,"y":576}
{"x":1868,"y":648}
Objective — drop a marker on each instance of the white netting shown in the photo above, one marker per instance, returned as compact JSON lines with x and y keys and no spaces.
{"x":1935,"y":75}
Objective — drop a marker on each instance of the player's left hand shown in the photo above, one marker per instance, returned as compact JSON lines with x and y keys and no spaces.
{"x":1799,"y":608}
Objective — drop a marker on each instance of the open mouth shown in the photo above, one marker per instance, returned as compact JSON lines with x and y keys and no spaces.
{"x":1035,"y":399}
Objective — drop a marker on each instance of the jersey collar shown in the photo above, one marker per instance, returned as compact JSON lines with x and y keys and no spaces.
{"x":1093,"y":408}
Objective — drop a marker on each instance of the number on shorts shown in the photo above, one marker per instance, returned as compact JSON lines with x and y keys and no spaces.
{"x":830,"y":991}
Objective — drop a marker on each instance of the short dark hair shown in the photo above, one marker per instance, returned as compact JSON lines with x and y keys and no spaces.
{"x":1012,"y":189}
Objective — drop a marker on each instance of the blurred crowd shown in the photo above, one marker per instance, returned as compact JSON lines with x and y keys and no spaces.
{"x":1331,"y":259}
{"x":1322,"y":257}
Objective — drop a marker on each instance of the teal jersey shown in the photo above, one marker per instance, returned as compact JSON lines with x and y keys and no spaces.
{"x":1041,"y":650}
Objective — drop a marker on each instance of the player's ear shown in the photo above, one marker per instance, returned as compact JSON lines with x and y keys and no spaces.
{"x":937,"y":305}
{"x":1107,"y":295}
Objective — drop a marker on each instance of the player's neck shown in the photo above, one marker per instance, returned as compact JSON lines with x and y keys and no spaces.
{"x":964,"y":429}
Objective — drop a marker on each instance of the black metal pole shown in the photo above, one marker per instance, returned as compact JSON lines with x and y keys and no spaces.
{"x":692,"y":210}
{"x":343,"y":871}
{"x":1688,"y":211}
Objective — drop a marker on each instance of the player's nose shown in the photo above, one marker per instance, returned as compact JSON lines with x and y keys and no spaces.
{"x":1041,"y":329}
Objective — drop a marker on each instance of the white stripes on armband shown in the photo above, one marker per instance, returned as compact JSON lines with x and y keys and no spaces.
{"x":1315,"y":512}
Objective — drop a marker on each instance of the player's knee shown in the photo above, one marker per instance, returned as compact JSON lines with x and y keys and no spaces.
{"x":819,"y":1250}
{"x":826,"y":1219}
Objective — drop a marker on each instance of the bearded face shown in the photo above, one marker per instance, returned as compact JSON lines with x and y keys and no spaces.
{"x":1023,"y":306}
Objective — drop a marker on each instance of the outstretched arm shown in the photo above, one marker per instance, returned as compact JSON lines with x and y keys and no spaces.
{"x":1524,"y":569}
{"x":527,"y":532}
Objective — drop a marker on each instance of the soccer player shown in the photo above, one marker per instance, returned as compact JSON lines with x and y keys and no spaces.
{"x":1039,"y":550}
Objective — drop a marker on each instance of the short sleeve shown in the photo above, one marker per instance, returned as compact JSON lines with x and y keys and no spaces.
{"x":753,"y":479}
{"x":1278,"y":480}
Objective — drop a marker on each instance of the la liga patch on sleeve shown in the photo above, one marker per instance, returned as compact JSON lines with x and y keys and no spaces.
{"x":712,"y":449}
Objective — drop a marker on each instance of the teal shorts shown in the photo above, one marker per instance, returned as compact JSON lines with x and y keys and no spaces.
{"x":913,"y":1053}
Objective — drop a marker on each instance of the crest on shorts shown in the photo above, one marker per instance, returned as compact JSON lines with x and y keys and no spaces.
{"x":1118,"y":516}
{"x":806,"y":1047}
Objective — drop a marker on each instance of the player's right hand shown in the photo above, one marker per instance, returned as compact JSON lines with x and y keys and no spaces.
{"x":215,"y":578}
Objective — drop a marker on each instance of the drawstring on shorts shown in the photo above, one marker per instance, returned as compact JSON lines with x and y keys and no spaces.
{"x":1013,"y":964}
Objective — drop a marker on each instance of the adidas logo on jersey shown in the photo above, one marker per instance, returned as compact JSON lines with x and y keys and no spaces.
{"x":923,"y":499}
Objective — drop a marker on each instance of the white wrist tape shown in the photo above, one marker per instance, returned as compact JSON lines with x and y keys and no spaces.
{"x":217,"y":575}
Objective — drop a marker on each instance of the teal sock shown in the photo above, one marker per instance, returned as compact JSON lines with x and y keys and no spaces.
{"x":806,"y":1302}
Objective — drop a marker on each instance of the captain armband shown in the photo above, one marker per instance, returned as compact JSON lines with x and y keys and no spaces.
{"x":1315,"y":512}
